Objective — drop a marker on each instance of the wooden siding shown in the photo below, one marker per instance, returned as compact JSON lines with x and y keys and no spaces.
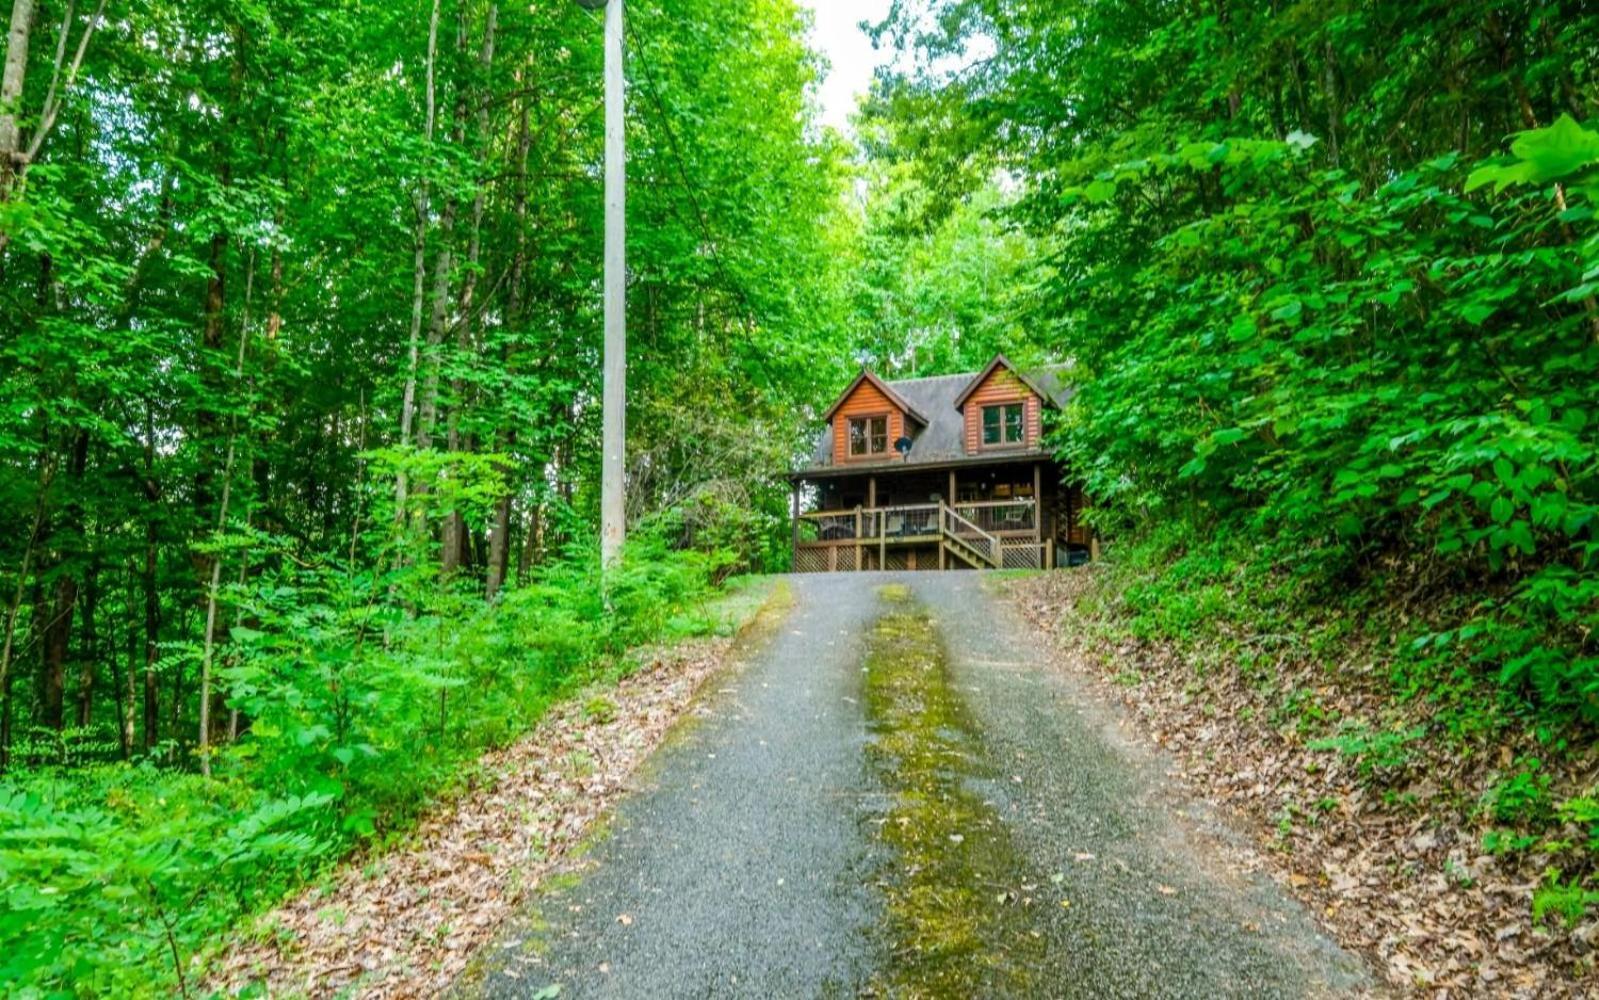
{"x":1001,"y":387}
{"x":866,"y":401}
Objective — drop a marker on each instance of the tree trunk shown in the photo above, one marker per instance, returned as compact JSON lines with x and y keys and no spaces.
{"x":152,"y":595}
{"x":421,"y":205}
{"x":206,"y":419}
{"x":8,"y":650}
{"x":175,"y":718}
{"x":53,"y":662}
{"x":214,"y":588}
{"x":443,"y":263}
{"x":456,"y":547}
{"x":530,"y":539}
{"x":89,"y":651}
{"x":127,"y":691}
{"x":1334,"y":108}
{"x":11,"y":82}
{"x":443,"y":269}
{"x":57,"y":633}
{"x":152,"y":640}
{"x":499,"y":554}
{"x":499,"y":557}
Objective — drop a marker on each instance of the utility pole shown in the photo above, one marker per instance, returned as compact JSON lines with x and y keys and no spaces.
{"x":613,"y":499}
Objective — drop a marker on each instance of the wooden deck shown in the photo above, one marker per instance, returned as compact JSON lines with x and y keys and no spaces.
{"x":994,"y":535}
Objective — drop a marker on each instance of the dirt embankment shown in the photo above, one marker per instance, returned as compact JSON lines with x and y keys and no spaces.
{"x":1395,"y":866}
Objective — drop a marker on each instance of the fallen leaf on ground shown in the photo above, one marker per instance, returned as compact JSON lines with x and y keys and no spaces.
{"x":406,"y":924}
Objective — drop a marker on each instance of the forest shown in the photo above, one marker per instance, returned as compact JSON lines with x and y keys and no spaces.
{"x":300,"y":381}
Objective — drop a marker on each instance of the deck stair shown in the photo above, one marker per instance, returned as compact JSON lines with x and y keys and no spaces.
{"x":966,"y":541}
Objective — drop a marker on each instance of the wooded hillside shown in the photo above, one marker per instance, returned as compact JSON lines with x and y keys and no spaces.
{"x":299,"y":371}
{"x":273,"y":275}
{"x":1328,"y":274}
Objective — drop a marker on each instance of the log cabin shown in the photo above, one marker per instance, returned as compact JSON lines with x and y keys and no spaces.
{"x":946,"y":472}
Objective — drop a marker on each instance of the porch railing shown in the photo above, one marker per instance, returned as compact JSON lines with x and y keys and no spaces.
{"x":906,"y":521}
{"x":1000,"y":517}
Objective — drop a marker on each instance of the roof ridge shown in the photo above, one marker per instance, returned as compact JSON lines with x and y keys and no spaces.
{"x":930,"y":378}
{"x":1050,"y":366}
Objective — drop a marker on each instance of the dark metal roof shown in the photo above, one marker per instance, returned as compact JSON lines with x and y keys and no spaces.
{"x":941,"y":441}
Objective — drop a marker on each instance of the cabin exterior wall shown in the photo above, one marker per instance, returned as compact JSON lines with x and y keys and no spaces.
{"x":1001,"y":386}
{"x":866,"y":401}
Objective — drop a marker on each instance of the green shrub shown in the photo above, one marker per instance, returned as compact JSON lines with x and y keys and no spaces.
{"x":1381,"y":756}
{"x":362,"y":693}
{"x":1582,"y":811}
{"x":1568,"y":900}
{"x":1521,"y":798}
{"x":114,"y":876}
{"x":1357,"y":381}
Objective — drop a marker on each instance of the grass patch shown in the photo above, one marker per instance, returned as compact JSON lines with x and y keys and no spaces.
{"x":956,"y":926}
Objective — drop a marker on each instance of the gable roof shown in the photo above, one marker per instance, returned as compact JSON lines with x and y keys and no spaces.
{"x":1001,"y":361}
{"x":943,"y":436}
{"x":883,"y":387}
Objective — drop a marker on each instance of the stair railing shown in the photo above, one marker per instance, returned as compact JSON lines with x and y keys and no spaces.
{"x":966,"y":533}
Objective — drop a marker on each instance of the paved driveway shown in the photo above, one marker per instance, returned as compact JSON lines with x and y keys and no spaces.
{"x":896,"y":796}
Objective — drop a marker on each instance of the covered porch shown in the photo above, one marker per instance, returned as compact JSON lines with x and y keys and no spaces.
{"x":993,"y":515}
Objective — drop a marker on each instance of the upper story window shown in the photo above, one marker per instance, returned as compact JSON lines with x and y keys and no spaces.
{"x":868,"y":436}
{"x":1004,"y":424}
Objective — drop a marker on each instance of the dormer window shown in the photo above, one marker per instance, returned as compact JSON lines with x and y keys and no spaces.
{"x":1003,"y":425}
{"x":868,"y":436}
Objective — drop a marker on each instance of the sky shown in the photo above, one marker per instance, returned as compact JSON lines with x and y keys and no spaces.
{"x":838,"y":36}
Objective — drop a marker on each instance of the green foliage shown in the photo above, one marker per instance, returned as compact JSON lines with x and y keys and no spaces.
{"x":599,"y":709}
{"x":937,"y":288}
{"x":1565,"y":151}
{"x":727,"y":517}
{"x":1329,"y":287}
{"x":226,"y":331}
{"x":299,"y":418}
{"x":114,"y":877}
{"x":1319,"y":318}
{"x":365,"y":693}
{"x":1582,"y":812}
{"x":73,"y":746}
{"x":1381,"y":756}
{"x":1521,"y":798}
{"x":1355,"y":456}
{"x":1568,"y":900}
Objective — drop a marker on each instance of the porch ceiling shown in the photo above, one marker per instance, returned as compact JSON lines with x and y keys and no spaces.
{"x":897,"y":469}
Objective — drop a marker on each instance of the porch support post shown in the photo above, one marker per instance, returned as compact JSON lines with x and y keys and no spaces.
{"x":794,"y":557}
{"x":877,"y":519}
{"x":858,"y":566}
{"x":1038,"y":501}
{"x":951,"y":498}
